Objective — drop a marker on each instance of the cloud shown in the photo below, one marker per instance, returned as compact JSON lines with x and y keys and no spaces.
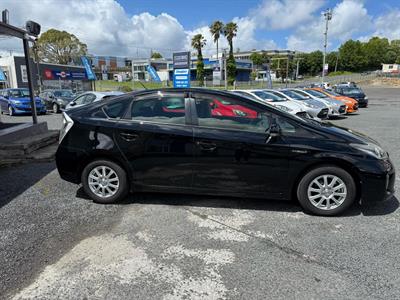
{"x":103,"y":25}
{"x":277,"y":14}
{"x":350,"y":17}
{"x":388,"y":25}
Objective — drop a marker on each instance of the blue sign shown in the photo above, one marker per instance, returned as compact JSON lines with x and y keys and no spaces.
{"x":89,"y":72}
{"x":181,"y":78}
{"x":2,"y":75}
{"x":153,"y":73}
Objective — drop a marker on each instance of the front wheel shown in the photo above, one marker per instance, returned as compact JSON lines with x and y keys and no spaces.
{"x":326,"y":191}
{"x":55,"y":108}
{"x":104,"y":181}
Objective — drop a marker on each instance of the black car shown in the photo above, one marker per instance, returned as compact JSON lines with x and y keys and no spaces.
{"x":353,"y":92}
{"x":179,"y":140}
{"x":55,"y":100}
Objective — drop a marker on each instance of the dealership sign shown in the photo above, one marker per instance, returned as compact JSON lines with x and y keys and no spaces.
{"x":58,"y":74}
{"x":153,"y":73}
{"x":181,"y":78}
{"x":181,"y":60}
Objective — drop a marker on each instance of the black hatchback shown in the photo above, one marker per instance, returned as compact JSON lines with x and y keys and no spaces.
{"x":353,"y":92}
{"x":203,"y":141}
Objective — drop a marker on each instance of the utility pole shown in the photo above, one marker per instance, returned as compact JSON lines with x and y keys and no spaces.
{"x":287,"y":70}
{"x":225,"y":71}
{"x":328,"y":17}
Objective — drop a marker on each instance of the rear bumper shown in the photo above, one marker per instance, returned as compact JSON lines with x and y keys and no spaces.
{"x":378,"y":187}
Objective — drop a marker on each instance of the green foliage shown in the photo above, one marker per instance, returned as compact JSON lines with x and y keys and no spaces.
{"x":230,"y":31}
{"x":259,"y":59}
{"x":231,"y":69}
{"x":156,"y":55}
{"x":353,"y":56}
{"x":198,"y":42}
{"x":339,"y":73}
{"x":60,"y":47}
{"x":311,"y":63}
{"x":126,"y":89}
{"x":253,"y":75}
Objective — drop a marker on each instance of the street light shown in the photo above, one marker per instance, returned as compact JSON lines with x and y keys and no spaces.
{"x":328,"y":16}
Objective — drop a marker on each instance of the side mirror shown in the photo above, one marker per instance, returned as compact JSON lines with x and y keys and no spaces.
{"x":72,"y":103}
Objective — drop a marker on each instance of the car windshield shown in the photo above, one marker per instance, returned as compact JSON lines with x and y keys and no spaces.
{"x":333,"y":93}
{"x":19,"y":93}
{"x":295,"y":95}
{"x":244,"y":94}
{"x":64,"y":93}
{"x":269,"y":96}
{"x":317,"y":94}
{"x":352,"y":91}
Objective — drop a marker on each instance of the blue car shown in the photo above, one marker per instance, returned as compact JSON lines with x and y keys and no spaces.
{"x":17,"y":101}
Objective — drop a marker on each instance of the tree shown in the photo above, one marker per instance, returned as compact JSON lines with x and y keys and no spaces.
{"x":198,"y":42}
{"x":216,"y":29}
{"x":258,"y":60}
{"x":60,"y":47}
{"x":156,"y":55}
{"x":352,"y":56}
{"x":375,"y":51}
{"x":230,"y":31}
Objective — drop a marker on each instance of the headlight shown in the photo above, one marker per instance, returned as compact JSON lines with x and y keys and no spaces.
{"x":60,"y":101}
{"x":239,"y":113}
{"x":284,"y":108}
{"x":371,"y":149}
{"x":365,"y":98}
{"x":17,"y":102}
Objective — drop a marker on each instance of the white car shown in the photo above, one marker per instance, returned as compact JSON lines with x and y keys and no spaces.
{"x":314,"y":108}
{"x":276,"y":101}
{"x":89,"y":97}
{"x":336,"y":107}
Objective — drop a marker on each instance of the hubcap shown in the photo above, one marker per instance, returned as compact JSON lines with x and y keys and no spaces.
{"x":55,"y":108}
{"x":327,"y":192}
{"x":103,"y":181}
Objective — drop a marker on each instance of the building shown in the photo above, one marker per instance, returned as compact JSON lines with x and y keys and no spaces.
{"x":45,"y":75}
{"x":391,"y":68}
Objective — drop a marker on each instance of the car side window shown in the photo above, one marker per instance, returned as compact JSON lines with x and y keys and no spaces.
{"x":230,"y":113}
{"x":168,"y":108}
{"x":84,"y":99}
{"x":116,"y":109}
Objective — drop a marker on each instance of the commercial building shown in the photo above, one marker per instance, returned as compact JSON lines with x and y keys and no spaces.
{"x":45,"y":75}
{"x":391,"y":68}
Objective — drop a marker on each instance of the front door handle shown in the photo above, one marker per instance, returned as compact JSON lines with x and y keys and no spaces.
{"x":129,"y":137}
{"x":207,"y":146}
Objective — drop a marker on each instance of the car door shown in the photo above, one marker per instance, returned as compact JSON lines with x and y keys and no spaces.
{"x":4,"y":100}
{"x":233,"y":152}
{"x":157,"y":141}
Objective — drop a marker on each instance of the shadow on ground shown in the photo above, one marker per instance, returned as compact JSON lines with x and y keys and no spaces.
{"x":373,"y":209}
{"x":16,"y":179}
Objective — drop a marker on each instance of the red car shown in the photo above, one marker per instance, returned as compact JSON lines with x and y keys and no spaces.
{"x":226,"y":108}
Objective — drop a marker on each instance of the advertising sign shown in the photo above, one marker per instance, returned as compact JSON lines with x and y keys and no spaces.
{"x":153,"y":73}
{"x":24,"y":74}
{"x":181,"y":60}
{"x":57,"y":74}
{"x":2,"y":75}
{"x":89,"y":72}
{"x":181,"y":78}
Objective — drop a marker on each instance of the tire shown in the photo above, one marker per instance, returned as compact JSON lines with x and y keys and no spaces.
{"x":10,"y":110}
{"x":119,"y":180}
{"x":55,"y":108}
{"x":326,"y":200}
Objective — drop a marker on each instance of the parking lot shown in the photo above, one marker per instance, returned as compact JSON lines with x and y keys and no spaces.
{"x":54,"y":241}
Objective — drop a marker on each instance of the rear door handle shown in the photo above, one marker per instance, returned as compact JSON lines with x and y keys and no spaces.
{"x":207,"y":146}
{"x":129,"y":137}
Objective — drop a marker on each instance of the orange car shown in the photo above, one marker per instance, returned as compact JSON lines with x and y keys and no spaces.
{"x":351,"y":104}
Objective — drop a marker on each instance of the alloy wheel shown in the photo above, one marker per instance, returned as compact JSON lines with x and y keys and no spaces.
{"x":103,"y":181}
{"x":55,"y":108}
{"x":327,"y":192}
{"x":10,"y":111}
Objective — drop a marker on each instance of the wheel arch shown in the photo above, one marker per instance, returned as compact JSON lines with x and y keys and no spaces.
{"x":345,"y":165}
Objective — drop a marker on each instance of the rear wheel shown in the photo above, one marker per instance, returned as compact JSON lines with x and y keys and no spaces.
{"x":104,"y":181}
{"x":326,"y":191}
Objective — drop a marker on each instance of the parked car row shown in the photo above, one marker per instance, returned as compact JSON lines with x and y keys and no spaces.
{"x":205,"y":141}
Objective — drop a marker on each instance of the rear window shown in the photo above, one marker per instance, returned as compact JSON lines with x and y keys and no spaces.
{"x":116,"y":109}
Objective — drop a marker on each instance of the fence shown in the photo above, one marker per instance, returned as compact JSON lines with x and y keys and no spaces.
{"x":110,"y":85}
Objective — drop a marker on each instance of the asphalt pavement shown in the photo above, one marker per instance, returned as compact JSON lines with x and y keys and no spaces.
{"x":57,"y":244}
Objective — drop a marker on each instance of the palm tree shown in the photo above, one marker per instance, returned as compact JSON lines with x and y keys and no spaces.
{"x":198,"y":42}
{"x":230,"y":31}
{"x":216,"y":28}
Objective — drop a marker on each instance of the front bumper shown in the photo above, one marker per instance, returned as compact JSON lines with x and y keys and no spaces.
{"x":378,"y":187}
{"x":362,"y":102}
{"x":24,"y":109}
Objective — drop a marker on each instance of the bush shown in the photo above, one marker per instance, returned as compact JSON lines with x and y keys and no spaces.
{"x":339,"y":73}
{"x":126,"y":89}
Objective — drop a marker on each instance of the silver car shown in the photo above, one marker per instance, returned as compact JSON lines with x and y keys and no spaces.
{"x":314,"y":108}
{"x":89,"y":97}
{"x":336,"y":107}
{"x":276,"y":101}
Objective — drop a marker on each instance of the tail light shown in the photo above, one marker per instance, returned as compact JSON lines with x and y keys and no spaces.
{"x":67,"y":125}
